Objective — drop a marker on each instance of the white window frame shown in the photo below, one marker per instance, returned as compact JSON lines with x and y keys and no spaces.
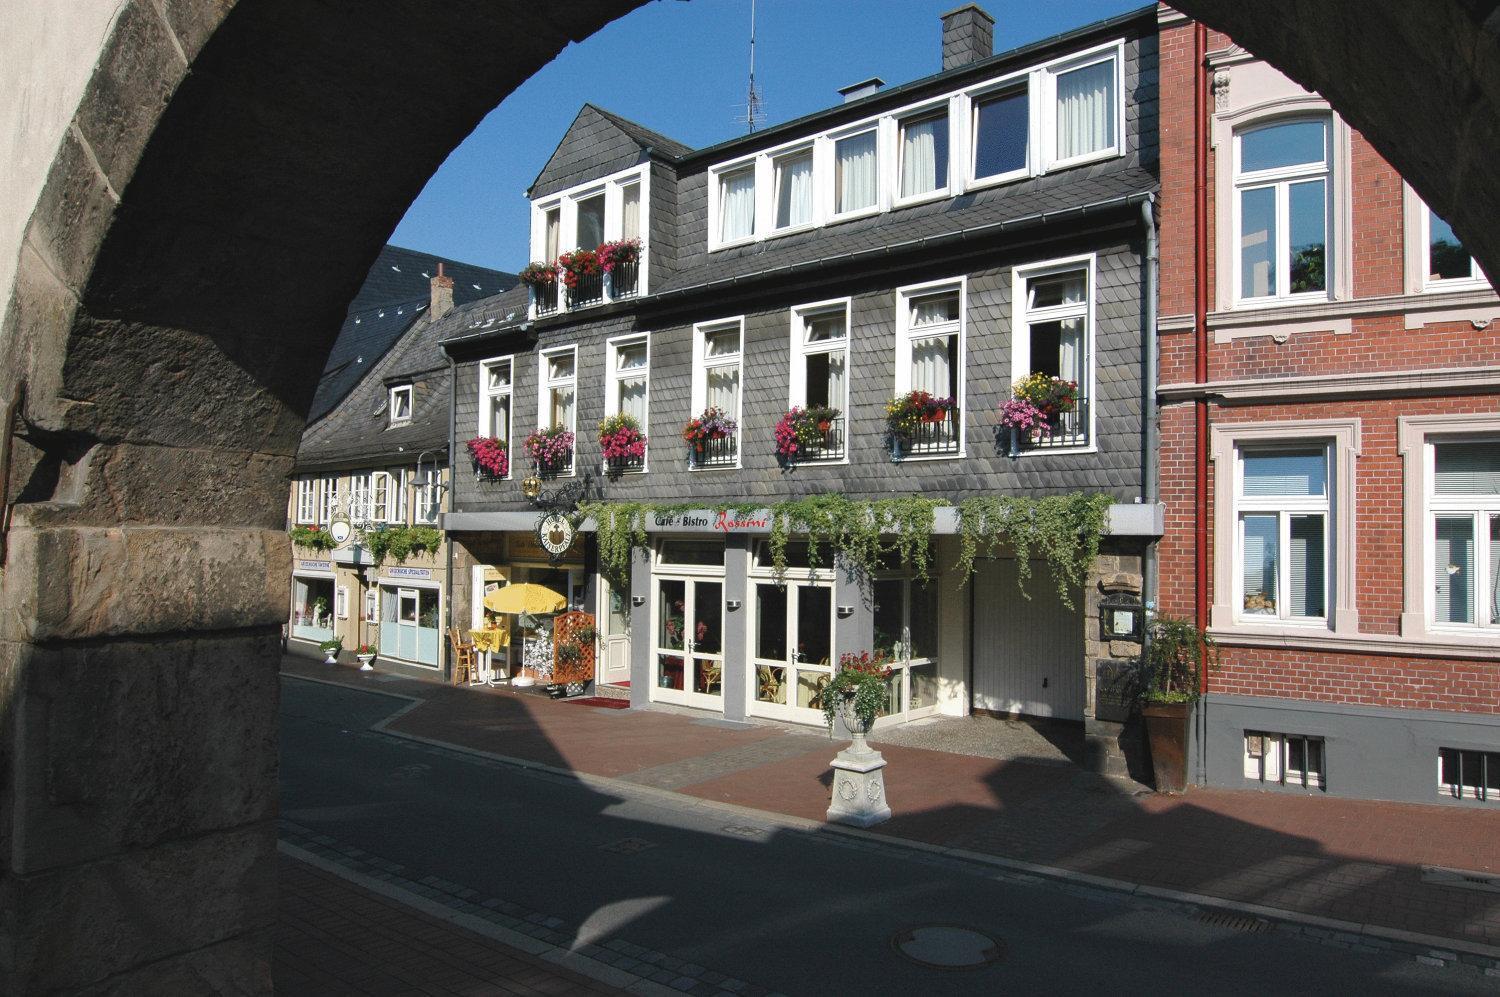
{"x":1020,"y":337}
{"x":801,"y":350}
{"x":1270,"y":767}
{"x":1025,"y":83}
{"x":341,"y":601}
{"x":1478,"y":509}
{"x":702,"y":365}
{"x":566,"y":203}
{"x":943,"y":107}
{"x":811,"y":150}
{"x":487,"y":398}
{"x":1284,"y":508}
{"x":306,"y":500}
{"x":759,"y":166}
{"x":1047,"y":78}
{"x":1342,"y":437}
{"x":359,"y":499}
{"x":1476,"y":279}
{"x":827,"y":204}
{"x":394,"y":511}
{"x":1281,"y":180}
{"x":398,"y":391}
{"x":545,"y":386}
{"x":328,"y":503}
{"x":905,"y":337}
{"x":427,"y":496}
{"x":612,"y":381}
{"x":1415,"y":438}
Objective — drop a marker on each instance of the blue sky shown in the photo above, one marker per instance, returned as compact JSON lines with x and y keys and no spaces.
{"x":681,"y":68}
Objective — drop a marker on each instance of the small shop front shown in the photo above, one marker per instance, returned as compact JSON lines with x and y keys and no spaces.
{"x":410,"y":614}
{"x":316,"y":601}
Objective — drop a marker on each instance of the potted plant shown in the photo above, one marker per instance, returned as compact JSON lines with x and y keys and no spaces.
{"x":366,"y":654}
{"x":1036,"y":408}
{"x":550,"y":449}
{"x":331,"y":649}
{"x":581,"y":273}
{"x":1172,"y":663}
{"x":712,"y":424}
{"x":618,"y":259}
{"x":857,"y":693}
{"x":803,"y":431}
{"x":906,"y":414}
{"x":621,"y":442}
{"x":490,"y":455}
{"x":541,"y":280}
{"x":320,"y":610}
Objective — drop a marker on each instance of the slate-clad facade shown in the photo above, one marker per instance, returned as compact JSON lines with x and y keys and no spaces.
{"x":983,"y":241}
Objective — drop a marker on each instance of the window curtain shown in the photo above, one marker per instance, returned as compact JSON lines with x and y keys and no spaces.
{"x":591,"y":222}
{"x":633,"y":399}
{"x":500,"y":418}
{"x":836,"y":380}
{"x":724,"y":390}
{"x":562,"y":408}
{"x":1086,"y":110}
{"x":1453,"y":570}
{"x":930,"y":367}
{"x":630,"y":224}
{"x":1070,"y":348}
{"x":554,"y":235}
{"x":794,"y":192}
{"x":854,"y":175}
{"x":737,"y":205}
{"x":924,"y":156}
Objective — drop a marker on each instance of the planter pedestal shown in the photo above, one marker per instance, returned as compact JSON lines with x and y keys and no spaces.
{"x":858,"y":786}
{"x":364,"y":662}
{"x":1166,"y":729}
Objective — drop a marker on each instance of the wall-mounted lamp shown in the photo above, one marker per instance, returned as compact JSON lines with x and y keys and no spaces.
{"x":845,"y":612}
{"x":531,"y":486}
{"x":733,"y":604}
{"x":637,"y":600}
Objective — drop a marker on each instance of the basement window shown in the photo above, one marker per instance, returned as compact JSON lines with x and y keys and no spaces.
{"x":1469,"y":775}
{"x":1285,"y":759}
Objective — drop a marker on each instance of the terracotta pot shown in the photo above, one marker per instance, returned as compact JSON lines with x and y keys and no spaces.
{"x":1166,"y":729}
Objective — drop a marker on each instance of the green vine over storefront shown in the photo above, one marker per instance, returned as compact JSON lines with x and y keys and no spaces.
{"x":399,"y":542}
{"x":312,"y":538}
{"x":1063,"y":530}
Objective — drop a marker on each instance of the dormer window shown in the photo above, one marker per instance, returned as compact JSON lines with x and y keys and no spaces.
{"x":1001,"y":131}
{"x":856,"y":185}
{"x":737,"y":204}
{"x":590,"y":228}
{"x":1085,"y":107}
{"x":924,"y":154}
{"x":400,"y":404}
{"x":600,"y":213}
{"x":794,"y":189}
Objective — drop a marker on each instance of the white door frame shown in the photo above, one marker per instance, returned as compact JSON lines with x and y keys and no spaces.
{"x":685,"y":696}
{"x":611,"y":643}
{"x":788,"y":711}
{"x":902,"y":661}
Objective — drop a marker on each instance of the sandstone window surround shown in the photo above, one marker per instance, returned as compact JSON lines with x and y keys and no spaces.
{"x":1056,"y":115}
{"x":603,"y":210}
{"x":496,"y":398}
{"x":1340,"y":439}
{"x":1053,"y":331}
{"x":557,"y":395}
{"x":1463,"y":296}
{"x":1281,"y":210}
{"x":1435,"y":517}
{"x":931,"y":355}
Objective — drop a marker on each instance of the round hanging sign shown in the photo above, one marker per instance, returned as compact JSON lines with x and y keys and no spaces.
{"x":555,"y":534}
{"x":339,"y":530}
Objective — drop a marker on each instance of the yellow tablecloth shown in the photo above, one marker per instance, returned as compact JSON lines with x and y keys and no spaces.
{"x":491,"y":640}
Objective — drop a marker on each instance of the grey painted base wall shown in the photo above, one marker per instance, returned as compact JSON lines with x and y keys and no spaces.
{"x":1369,"y":753}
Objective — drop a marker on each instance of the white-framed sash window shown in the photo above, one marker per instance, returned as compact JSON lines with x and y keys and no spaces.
{"x":1054,"y":335}
{"x":1282,"y":210}
{"x":930,"y":347}
{"x":329,"y":502}
{"x":496,"y":388}
{"x":400,"y":403}
{"x":1000,"y":136}
{"x":736,"y":203}
{"x":923,"y":154}
{"x":1083,"y":109}
{"x":1463,"y":533}
{"x":792,"y":174}
{"x":557,"y":393}
{"x":427,"y":495}
{"x":585,"y":217}
{"x":717,"y":373}
{"x":307,"y":500}
{"x":1447,"y":264}
{"x":1282,"y":543}
{"x":856,"y":173}
{"x":628,"y":380}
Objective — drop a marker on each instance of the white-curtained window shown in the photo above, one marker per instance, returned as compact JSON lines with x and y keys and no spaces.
{"x":1282,"y":207}
{"x":629,"y":374}
{"x":924,"y":154}
{"x":329,"y":505}
{"x":855,"y":173}
{"x":630,"y":211}
{"x":1086,"y":110}
{"x":552,"y":235}
{"x":590,"y":226}
{"x":737,"y":204}
{"x":820,"y":366}
{"x":307,"y":500}
{"x":495,"y":399}
{"x":717,"y":367}
{"x":930,"y":357}
{"x":1463,"y":502}
{"x":794,"y":189}
{"x":559,"y":388}
{"x":1052,"y":335}
{"x":1282,"y":511}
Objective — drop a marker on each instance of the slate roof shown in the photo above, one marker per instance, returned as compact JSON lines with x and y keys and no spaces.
{"x":395,"y":293}
{"x":599,"y":143}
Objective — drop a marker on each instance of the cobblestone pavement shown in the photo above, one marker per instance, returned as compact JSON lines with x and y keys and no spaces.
{"x":1354,"y":861}
{"x":334,"y":938}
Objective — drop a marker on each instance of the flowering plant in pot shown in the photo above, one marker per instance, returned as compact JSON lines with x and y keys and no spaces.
{"x":712,"y":424}
{"x":904,"y":413}
{"x":1172,"y":660}
{"x":550,"y":449}
{"x":1024,"y":419}
{"x":803,"y":430}
{"x":490,"y":455}
{"x":366,"y":654}
{"x":858,"y":691}
{"x":331,"y":649}
{"x":614,"y":254}
{"x":579,"y":265}
{"x":621,"y":441}
{"x":1053,"y":396}
{"x":538,"y":276}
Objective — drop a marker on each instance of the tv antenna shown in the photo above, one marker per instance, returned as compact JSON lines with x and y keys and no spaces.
{"x":752,"y":96}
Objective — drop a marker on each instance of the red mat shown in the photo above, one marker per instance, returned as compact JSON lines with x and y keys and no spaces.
{"x":608,"y":704}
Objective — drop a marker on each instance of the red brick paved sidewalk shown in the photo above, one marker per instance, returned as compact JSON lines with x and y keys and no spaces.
{"x":334,"y":938}
{"x":1348,"y":860}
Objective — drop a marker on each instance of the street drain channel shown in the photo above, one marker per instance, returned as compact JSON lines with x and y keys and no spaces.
{"x":1461,"y":878}
{"x":947,"y":946}
{"x":1235,"y":922}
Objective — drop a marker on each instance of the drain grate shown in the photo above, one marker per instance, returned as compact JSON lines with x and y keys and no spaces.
{"x":1234,"y":922}
{"x":628,"y":846}
{"x":1464,"y":879}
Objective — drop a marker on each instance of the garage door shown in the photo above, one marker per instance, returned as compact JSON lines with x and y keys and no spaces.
{"x":1028,"y":653}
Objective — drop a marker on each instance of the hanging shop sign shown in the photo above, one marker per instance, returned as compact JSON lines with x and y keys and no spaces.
{"x":554,"y":532}
{"x":339,"y":526}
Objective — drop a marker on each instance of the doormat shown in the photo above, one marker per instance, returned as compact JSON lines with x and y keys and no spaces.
{"x":608,"y":704}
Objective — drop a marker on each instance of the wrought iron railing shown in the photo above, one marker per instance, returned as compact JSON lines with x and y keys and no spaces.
{"x":722,"y":452}
{"x":624,"y":280}
{"x":1069,"y":429}
{"x":830,"y":447}
{"x":939,"y":436}
{"x":624,"y":465}
{"x":544,"y":297}
{"x":588,"y":291}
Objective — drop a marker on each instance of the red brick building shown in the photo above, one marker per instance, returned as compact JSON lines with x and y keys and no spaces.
{"x":1330,"y":445}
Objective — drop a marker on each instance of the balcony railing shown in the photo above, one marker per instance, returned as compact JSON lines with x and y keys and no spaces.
{"x":624,"y":465}
{"x":714,"y":453}
{"x":1069,"y":429}
{"x":940,"y":436}
{"x":544,"y":298}
{"x":624,"y":280}
{"x":830,"y":447}
{"x":589,"y":291}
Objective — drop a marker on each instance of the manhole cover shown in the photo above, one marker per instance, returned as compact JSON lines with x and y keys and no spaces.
{"x":947,"y":946}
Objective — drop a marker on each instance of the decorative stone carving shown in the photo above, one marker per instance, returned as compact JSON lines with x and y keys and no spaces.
{"x":858,"y":786}
{"x":1220,"y":89}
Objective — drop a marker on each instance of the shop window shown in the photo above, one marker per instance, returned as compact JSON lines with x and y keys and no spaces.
{"x":691,"y":553}
{"x":1469,"y":775}
{"x":313,"y":604}
{"x":1282,"y":176}
{"x":409,"y":624}
{"x":906,"y":632}
{"x":1285,"y":759}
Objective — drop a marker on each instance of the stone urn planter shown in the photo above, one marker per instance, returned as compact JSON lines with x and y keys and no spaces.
{"x":858,"y":794}
{"x":365,"y":662}
{"x":1166,"y":730}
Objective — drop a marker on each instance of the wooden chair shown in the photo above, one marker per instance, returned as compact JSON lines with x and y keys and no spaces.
{"x":465,"y":658}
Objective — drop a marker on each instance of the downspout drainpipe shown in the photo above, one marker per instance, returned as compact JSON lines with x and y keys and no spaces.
{"x":1150,"y":417}
{"x":1200,"y":374}
{"x":452,"y":476}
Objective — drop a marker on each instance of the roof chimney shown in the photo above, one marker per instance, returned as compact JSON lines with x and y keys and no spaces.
{"x":442,"y":295}
{"x":968,"y":36}
{"x":863,"y":88}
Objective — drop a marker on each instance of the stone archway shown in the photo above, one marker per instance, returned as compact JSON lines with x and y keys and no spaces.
{"x":227,"y":177}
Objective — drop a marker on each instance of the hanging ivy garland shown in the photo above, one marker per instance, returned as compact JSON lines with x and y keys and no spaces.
{"x":399,"y":542}
{"x":1062,"y":529}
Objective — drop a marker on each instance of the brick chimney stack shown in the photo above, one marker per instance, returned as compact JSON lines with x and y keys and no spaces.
{"x":442,"y":295}
{"x":968,"y":36}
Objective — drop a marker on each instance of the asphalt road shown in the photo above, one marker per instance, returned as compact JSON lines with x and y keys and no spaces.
{"x":797,"y":912}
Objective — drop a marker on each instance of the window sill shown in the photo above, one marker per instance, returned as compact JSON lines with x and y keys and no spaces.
{"x":1292,"y":638}
{"x":1112,"y":152}
{"x":983,"y":183}
{"x":928,"y":196}
{"x":748,"y":240}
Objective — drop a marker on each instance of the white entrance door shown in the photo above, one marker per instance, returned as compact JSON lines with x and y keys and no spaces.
{"x":406,"y":624}
{"x":1028,"y":653}
{"x":689,"y":629}
{"x":614,"y":611}
{"x":791,"y":650}
{"x":906,"y":632}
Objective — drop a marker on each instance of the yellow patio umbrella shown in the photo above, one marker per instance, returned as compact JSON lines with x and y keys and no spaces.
{"x":524,"y":598}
